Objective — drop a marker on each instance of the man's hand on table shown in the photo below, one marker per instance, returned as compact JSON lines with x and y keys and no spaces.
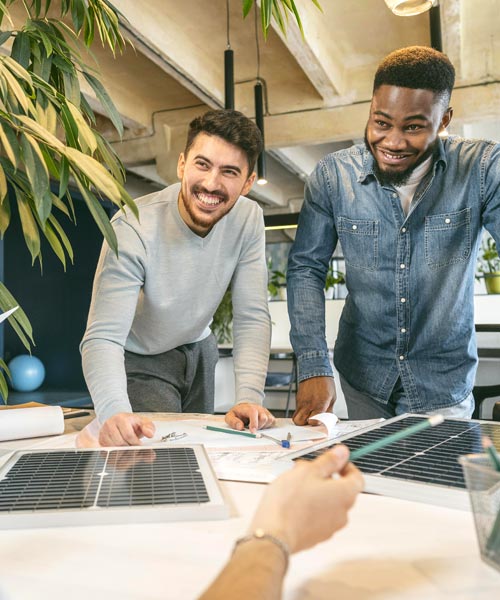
{"x":125,"y":429}
{"x":253,"y":415}
{"x":314,"y":396}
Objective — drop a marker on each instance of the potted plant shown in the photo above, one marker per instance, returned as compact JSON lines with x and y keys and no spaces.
{"x":489,"y":265}
{"x":276,"y":284}
{"x":333,"y":277}
{"x":222,"y":323}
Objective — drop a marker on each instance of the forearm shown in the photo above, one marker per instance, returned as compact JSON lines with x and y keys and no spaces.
{"x":255,"y":572}
{"x":251,"y":321}
{"x":104,"y":371}
{"x":308,"y":263}
{"x":306,"y":308}
{"x":251,"y":341}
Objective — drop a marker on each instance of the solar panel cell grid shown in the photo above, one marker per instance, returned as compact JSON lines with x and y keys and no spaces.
{"x":431,"y":456}
{"x":68,"y":479}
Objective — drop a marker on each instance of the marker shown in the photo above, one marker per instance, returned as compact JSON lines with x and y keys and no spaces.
{"x":395,"y":437}
{"x":233,"y":431}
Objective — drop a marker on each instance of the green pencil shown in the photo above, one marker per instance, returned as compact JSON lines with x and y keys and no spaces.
{"x":233,"y":431}
{"x":395,"y":437}
{"x":493,"y":454}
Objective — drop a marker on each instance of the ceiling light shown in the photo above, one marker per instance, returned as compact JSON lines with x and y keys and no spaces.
{"x":409,"y":8}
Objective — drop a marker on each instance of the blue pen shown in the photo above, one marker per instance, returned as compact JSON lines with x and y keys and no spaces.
{"x":282,"y":443}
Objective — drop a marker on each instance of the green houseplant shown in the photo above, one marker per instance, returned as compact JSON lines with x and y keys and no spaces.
{"x":222,"y":323}
{"x":276,"y":284}
{"x":47,"y":129}
{"x":277,"y":9}
{"x":488,"y":265}
{"x":333,"y":277}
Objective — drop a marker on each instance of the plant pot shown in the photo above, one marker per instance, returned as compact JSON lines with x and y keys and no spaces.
{"x":492,"y":282}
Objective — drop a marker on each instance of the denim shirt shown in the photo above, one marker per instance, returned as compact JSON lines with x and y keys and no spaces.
{"x":409,"y":311}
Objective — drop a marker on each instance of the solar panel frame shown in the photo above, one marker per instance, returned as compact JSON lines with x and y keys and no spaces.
{"x":402,"y":469}
{"x":66,"y":487}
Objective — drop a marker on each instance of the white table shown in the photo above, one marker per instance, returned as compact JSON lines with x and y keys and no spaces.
{"x":391,"y":549}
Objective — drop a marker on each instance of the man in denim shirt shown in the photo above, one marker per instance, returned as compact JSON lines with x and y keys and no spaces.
{"x":408,"y":209}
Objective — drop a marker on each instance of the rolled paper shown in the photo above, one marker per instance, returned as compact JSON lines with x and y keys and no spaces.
{"x":31,"y":422}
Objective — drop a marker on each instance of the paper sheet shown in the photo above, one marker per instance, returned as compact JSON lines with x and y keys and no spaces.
{"x":197,"y":434}
{"x":263,"y":467}
{"x":31,"y":422}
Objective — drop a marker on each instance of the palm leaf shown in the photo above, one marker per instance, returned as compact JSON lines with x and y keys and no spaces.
{"x":29,"y":226}
{"x":99,"y":214}
{"x":18,"y":318}
{"x":105,"y":100}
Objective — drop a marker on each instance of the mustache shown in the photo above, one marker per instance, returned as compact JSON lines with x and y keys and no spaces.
{"x":198,"y":189}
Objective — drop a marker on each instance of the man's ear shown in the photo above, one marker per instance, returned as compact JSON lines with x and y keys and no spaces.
{"x":248,"y":184}
{"x":445,"y":121}
{"x":181,"y":163}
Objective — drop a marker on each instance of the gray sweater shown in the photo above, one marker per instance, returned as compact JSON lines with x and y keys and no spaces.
{"x":164,"y":288}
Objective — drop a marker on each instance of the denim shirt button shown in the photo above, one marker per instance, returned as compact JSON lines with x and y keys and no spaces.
{"x":403,"y":230}
{"x":394,"y":195}
{"x":403,"y":300}
{"x":447,"y":220}
{"x":403,"y":330}
{"x":354,"y":226}
{"x":401,"y":357}
{"x":402,"y":266}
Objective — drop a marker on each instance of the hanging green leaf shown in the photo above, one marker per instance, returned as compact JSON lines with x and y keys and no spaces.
{"x":4,"y":36}
{"x":62,"y":235}
{"x":21,"y":51}
{"x":37,"y":173}
{"x":3,"y":185}
{"x":105,"y":100}
{"x":278,"y":9}
{"x":18,"y":318}
{"x":4,"y":216}
{"x":99,"y":214}
{"x":29,"y":226}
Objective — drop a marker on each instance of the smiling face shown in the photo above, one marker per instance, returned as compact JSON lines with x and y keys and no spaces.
{"x":402,"y":130}
{"x":213,"y":174}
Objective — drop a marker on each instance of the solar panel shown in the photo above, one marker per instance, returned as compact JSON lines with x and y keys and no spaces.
{"x":73,"y":487}
{"x":422,"y":467}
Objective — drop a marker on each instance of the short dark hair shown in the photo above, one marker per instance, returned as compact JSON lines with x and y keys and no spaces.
{"x":418,"y":68}
{"x":233,"y":127}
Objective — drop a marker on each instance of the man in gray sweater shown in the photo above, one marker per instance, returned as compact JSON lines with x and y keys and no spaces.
{"x":148,"y":344}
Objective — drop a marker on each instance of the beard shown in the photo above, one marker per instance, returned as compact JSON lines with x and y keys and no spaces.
{"x":398,"y":178}
{"x":200,"y":219}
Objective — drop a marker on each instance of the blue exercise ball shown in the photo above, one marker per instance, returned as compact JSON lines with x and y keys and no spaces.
{"x":27,"y":373}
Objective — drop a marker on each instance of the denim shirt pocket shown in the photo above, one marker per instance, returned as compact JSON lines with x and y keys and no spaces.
{"x":448,"y":238}
{"x":359,"y":241}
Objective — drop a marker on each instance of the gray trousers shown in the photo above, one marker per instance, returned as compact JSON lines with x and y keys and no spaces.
{"x":180,"y":380}
{"x":362,"y":406}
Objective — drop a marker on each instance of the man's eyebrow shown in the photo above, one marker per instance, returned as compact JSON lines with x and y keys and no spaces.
{"x":417,"y":116}
{"x":234,"y":167}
